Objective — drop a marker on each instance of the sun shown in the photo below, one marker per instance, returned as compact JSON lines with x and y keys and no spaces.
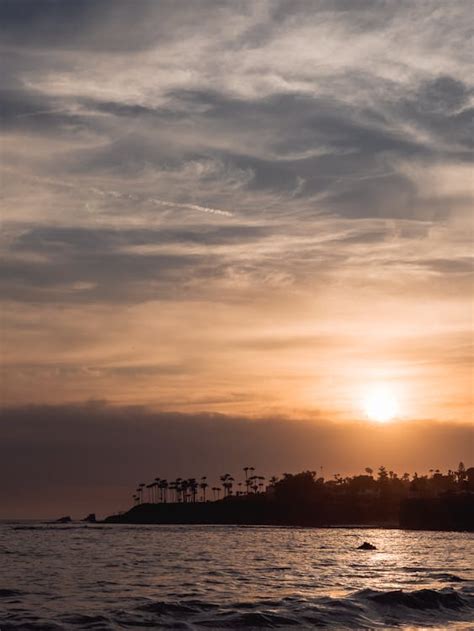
{"x":380,"y":404}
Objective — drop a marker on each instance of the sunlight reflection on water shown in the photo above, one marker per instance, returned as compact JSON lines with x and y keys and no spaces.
{"x":135,"y":575}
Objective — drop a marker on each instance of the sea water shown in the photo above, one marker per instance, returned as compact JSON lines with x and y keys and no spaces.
{"x":214,"y":577}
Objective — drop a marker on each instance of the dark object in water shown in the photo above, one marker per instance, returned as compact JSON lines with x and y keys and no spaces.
{"x":63,"y":520}
{"x":91,"y":519}
{"x":367,"y":546}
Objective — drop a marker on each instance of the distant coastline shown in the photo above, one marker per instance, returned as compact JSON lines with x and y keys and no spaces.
{"x":439,"y":502}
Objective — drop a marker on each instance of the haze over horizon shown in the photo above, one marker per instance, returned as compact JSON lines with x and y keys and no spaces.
{"x":225,"y":225}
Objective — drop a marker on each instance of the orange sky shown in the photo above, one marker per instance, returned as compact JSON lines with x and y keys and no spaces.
{"x":256,"y":210}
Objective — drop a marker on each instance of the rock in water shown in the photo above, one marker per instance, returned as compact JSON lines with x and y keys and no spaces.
{"x":367,"y":546}
{"x":63,"y":520}
{"x":90,"y":518}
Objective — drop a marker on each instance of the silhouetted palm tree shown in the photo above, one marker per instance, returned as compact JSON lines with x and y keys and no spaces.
{"x":203,"y":486}
{"x":247,"y":478}
{"x":184,"y":490}
{"x":246,"y":471}
{"x":253,"y":480}
{"x":172,"y":488}
{"x":177,"y":489}
{"x":157,"y":484}
{"x":193,"y":487}
{"x":163,"y":485}
{"x":150,"y":488}
{"x":227,"y":482}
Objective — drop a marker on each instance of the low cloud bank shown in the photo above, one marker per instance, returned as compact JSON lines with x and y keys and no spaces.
{"x":89,"y":457}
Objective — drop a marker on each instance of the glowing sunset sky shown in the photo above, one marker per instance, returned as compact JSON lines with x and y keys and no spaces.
{"x":252,"y":208}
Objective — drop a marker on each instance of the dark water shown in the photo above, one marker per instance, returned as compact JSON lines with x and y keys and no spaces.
{"x":201,"y":577}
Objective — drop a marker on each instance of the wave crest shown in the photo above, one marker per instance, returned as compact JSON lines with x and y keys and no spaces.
{"x":420,"y":599}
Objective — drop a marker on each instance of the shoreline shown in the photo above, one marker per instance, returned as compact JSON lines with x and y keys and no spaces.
{"x":26,"y":523}
{"x":283,"y":526}
{"x":445,"y":513}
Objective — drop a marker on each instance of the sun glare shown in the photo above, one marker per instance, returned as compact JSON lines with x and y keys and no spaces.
{"x":380,"y":404}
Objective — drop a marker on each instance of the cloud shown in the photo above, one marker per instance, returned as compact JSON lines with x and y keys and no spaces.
{"x":202,"y":209}
{"x":90,"y":456}
{"x":76,"y":264}
{"x":298,"y":171}
{"x":85,"y":24}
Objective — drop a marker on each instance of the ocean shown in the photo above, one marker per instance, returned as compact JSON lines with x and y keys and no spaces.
{"x":106,"y":577}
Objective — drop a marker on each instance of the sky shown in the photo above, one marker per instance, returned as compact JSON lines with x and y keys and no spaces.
{"x":235,"y":221}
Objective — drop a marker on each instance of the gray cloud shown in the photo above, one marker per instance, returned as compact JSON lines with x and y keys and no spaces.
{"x":102,"y":276}
{"x":89,"y":240}
{"x":89,"y":457}
{"x":85,"y":264}
{"x":450,"y":266}
{"x":310,"y":145}
{"x":84,"y":24}
{"x":92,"y":25}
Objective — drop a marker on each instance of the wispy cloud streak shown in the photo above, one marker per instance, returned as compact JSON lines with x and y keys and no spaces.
{"x":219,"y":179}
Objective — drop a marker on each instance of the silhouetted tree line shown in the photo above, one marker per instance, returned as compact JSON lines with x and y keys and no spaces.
{"x":301,"y":487}
{"x":195,"y":489}
{"x":434,"y":500}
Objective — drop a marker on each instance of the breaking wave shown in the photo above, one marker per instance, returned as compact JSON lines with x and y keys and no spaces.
{"x":365,"y":609}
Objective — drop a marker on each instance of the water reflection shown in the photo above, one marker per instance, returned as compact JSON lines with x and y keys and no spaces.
{"x":104,"y":569}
